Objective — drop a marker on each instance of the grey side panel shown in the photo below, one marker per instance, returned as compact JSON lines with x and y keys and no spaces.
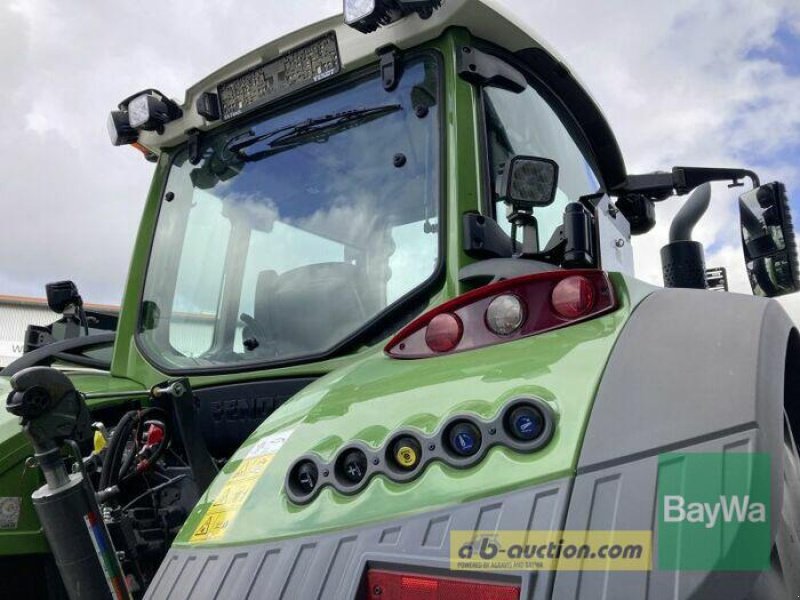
{"x":691,"y":371}
{"x":624,"y":497}
{"x":331,"y":565}
{"x":690,"y":365}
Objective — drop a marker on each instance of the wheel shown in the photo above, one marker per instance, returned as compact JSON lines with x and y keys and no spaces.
{"x":783,"y":578}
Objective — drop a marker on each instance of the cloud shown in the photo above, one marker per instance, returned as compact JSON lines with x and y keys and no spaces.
{"x":70,"y":202}
{"x":687,"y":82}
{"x":698,"y":82}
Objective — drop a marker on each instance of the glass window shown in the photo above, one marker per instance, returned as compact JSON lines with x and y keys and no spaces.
{"x":525,"y":124}
{"x":294,"y":231}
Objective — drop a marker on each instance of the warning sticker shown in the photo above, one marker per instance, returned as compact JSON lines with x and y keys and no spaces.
{"x":10,"y":508}
{"x":238,"y":487}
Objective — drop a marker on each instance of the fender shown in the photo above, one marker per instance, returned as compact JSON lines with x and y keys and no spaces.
{"x":691,"y":371}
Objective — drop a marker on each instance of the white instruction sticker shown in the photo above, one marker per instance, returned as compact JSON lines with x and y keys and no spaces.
{"x":270,"y":444}
{"x":9,"y":511}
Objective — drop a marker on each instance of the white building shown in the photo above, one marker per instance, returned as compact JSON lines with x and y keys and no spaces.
{"x":16,"y":313}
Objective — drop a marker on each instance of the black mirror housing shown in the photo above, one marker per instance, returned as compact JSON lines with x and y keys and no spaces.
{"x":529,"y":181}
{"x":770,"y":250}
{"x":61,"y":294}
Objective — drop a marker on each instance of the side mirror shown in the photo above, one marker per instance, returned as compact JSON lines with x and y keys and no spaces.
{"x":62,"y":294}
{"x":529,"y":181}
{"x":770,"y":251}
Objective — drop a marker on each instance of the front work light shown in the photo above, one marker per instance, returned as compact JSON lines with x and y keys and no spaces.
{"x":357,"y":10}
{"x":119,"y":129}
{"x":151,"y":111}
{"x":367,"y":15}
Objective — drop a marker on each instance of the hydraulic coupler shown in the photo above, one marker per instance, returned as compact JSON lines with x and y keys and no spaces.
{"x":54,"y":413}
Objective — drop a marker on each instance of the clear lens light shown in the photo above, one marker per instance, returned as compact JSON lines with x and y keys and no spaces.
{"x":119,"y":130}
{"x":355,"y":10}
{"x":505,"y":314}
{"x":138,"y":111}
{"x":112,"y":129}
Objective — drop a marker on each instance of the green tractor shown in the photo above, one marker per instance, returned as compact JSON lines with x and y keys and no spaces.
{"x":381,"y":339}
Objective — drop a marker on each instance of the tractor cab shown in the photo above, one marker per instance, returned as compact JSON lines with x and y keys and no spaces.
{"x":295,"y":227}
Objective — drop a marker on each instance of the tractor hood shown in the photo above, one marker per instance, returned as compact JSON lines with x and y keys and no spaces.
{"x":9,"y":424}
{"x":369,"y":402}
{"x":20,"y":531}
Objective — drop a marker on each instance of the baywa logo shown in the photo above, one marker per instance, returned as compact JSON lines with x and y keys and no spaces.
{"x":714,"y":511}
{"x":729,"y":509}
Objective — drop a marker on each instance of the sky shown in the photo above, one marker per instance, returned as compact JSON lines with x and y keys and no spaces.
{"x":684,"y":82}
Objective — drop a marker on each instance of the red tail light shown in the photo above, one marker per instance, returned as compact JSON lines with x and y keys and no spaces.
{"x":573,"y":297}
{"x":505,"y":311}
{"x":390,"y":585}
{"x":443,"y":332}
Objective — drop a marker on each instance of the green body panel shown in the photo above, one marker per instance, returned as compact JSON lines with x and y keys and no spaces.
{"x":375,"y":397}
{"x":18,"y":481}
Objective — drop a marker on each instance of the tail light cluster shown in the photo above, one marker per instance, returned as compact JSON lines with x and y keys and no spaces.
{"x":506,"y":311}
{"x":525,"y":424}
{"x":395,"y":585}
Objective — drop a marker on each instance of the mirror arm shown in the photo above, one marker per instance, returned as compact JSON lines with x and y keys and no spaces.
{"x":655,"y":186}
{"x":682,"y":180}
{"x":688,"y":178}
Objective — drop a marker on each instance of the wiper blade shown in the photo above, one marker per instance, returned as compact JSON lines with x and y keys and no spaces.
{"x":290,"y":134}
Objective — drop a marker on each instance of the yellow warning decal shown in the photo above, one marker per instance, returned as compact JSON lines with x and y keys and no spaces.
{"x":230,"y":499}
{"x":238,"y":487}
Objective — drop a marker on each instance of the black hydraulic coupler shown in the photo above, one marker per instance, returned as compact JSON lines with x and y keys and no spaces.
{"x":54,"y":413}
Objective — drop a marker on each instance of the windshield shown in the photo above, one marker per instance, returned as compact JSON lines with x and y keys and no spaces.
{"x":293,"y":232}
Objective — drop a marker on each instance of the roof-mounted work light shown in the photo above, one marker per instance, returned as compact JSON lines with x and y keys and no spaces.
{"x":119,"y":129}
{"x":149,"y":110}
{"x":367,"y":15}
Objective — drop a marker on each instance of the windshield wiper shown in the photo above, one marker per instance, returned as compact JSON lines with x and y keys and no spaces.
{"x":300,"y":132}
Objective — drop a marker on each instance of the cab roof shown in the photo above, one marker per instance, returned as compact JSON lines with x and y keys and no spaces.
{"x":486,"y":19}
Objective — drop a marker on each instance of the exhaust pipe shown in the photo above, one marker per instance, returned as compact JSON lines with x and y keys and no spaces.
{"x":683,"y":260}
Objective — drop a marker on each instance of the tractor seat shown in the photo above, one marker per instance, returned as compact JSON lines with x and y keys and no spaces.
{"x":310,"y":308}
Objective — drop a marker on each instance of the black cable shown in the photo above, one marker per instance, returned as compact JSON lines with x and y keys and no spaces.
{"x":151,"y":491}
{"x":84,"y":321}
{"x":116,"y":466}
{"x":143,"y":418}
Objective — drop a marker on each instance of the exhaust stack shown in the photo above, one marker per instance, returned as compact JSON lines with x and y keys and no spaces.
{"x":683,"y":260}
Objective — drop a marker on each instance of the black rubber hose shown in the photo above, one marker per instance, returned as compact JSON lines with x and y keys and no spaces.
{"x":115,"y":448}
{"x":690,"y":214}
{"x":117,"y":451}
